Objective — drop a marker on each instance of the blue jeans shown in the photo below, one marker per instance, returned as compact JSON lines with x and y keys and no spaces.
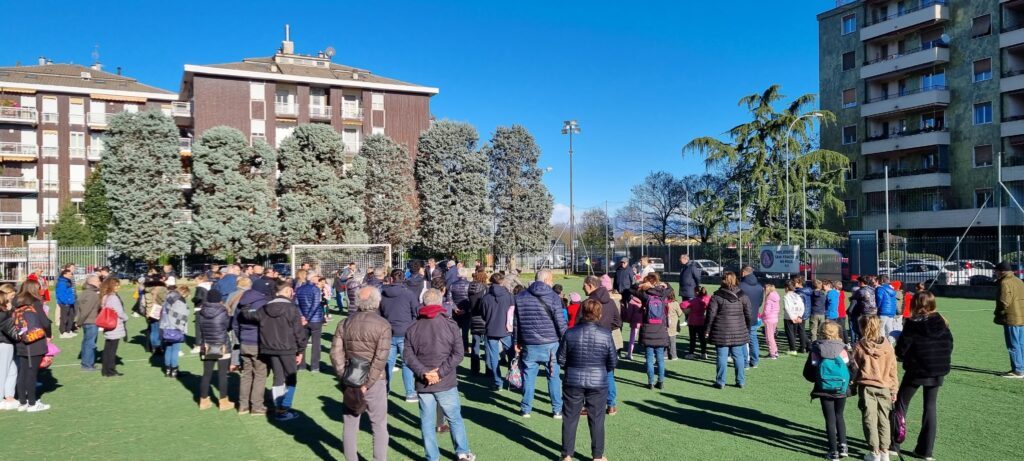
{"x":171,"y":355}
{"x":398,"y":347}
{"x":449,"y":402}
{"x":339,"y":298}
{"x":652,"y":354}
{"x":612,"y":392}
{"x":154,"y":334}
{"x":495,"y":346}
{"x":89,"y":332}
{"x":755,"y":348}
{"x":535,"y":355}
{"x":739,"y":358}
{"x":1015,"y":345}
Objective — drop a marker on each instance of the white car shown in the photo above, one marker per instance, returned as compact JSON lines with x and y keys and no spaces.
{"x":885,"y":267}
{"x":977,"y":267}
{"x":657,"y":264}
{"x":708,"y":267}
{"x":927,"y":272}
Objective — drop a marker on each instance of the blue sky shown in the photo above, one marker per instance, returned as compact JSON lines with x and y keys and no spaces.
{"x":642,"y":78}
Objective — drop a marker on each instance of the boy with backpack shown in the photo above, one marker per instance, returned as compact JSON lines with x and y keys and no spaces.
{"x":827,"y":367}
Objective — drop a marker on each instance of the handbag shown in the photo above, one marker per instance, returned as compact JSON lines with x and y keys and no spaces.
{"x":215,"y":352}
{"x":515,"y":375}
{"x":172,"y":335}
{"x":899,"y":420}
{"x":107,"y":319}
{"x":357,"y":372}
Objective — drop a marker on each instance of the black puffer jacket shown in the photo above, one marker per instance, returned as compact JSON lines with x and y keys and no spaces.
{"x":925,"y":347}
{"x":36,"y":318}
{"x":476,"y":294}
{"x":494,"y":308}
{"x":727,"y":321}
{"x":655,"y":334}
{"x":214,"y":323}
{"x":587,"y":353}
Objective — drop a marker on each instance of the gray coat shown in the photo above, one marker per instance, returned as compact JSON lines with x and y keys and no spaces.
{"x":114,"y":302}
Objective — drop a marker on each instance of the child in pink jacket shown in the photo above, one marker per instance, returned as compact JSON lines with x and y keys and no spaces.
{"x":770,"y":316}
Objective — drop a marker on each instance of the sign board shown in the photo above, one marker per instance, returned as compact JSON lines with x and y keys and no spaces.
{"x":780,"y":259}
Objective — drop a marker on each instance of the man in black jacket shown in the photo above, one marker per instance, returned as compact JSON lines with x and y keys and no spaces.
{"x":689,"y":278}
{"x":611,"y":320}
{"x":494,"y":308}
{"x":753,"y":289}
{"x":399,"y":307}
{"x":282,"y":342}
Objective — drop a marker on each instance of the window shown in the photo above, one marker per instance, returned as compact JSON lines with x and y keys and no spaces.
{"x":378,"y":130}
{"x":850,"y":173}
{"x":849,"y":134}
{"x":983,"y":155}
{"x":258,"y":127}
{"x":76,"y":144}
{"x":851,"y":208}
{"x":849,"y":24}
{"x":256,"y":91}
{"x":131,"y":108}
{"x":849,"y":98}
{"x":378,"y":101}
{"x":982,"y":26}
{"x":50,"y":210}
{"x":849,"y":60}
{"x":982,"y":197}
{"x":77,"y":178}
{"x":983,"y":113}
{"x":983,"y":70}
{"x":76,"y":111}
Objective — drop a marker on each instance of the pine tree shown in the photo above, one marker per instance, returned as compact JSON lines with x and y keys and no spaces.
{"x":451,"y":178}
{"x":70,"y":230}
{"x":233,"y":200}
{"x":320,"y":199}
{"x":95,"y":208}
{"x":520,"y":202}
{"x":141,"y":166}
{"x":390,"y":210}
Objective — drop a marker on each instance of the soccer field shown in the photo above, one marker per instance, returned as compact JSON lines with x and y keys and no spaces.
{"x":144,"y":416}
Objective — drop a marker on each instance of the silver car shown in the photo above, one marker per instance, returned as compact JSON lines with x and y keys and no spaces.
{"x":708,"y":267}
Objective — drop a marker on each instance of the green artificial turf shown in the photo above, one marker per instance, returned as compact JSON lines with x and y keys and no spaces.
{"x":144,"y":416}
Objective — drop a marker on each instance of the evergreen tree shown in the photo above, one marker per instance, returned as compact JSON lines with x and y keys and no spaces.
{"x":233,"y":200}
{"x":390,"y":198}
{"x":320,"y":197}
{"x":451,"y":178}
{"x":69,"y":230}
{"x":520,"y":202}
{"x":141,"y":166}
{"x":95,"y":208}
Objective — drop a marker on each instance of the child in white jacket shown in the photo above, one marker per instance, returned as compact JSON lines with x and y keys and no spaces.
{"x":793,"y":309}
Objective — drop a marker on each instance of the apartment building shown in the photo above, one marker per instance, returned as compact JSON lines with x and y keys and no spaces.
{"x":52,"y":120}
{"x":933,"y":91}
{"x":266,"y":97}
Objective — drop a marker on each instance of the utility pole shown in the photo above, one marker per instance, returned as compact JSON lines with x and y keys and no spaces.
{"x":999,"y":202}
{"x":739,"y":227}
{"x":606,"y":223}
{"x":570,"y":127}
{"x":887,"y":242}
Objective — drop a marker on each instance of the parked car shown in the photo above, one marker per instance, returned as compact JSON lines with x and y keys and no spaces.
{"x":929,"y":272}
{"x":885,"y":267}
{"x":284,"y":269}
{"x":977,"y":269}
{"x":657,"y":264}
{"x":708,"y":268}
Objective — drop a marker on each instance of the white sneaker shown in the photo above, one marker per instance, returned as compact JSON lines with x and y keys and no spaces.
{"x":39,"y":406}
{"x":869,"y":456}
{"x":22,"y":407}
{"x":394,"y":369}
{"x":9,"y":405}
{"x":557,"y":416}
{"x":195,"y":350}
{"x":884,"y":456}
{"x":135,"y":314}
{"x":182,"y":354}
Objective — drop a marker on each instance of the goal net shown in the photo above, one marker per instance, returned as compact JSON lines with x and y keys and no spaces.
{"x":327,"y":260}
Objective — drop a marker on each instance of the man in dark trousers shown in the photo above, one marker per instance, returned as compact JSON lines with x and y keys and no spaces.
{"x":753,"y":289}
{"x":689,"y":278}
{"x":282,"y":340}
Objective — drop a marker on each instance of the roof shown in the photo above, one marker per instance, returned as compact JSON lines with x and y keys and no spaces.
{"x":333,"y":74}
{"x":70,"y":76}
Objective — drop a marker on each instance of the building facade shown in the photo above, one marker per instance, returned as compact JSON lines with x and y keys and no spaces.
{"x":931,"y":91}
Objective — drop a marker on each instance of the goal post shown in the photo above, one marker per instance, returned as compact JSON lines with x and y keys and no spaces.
{"x":327,"y":260}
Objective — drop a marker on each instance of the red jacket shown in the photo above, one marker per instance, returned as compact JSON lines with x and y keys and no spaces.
{"x":908,"y":297}
{"x":573,"y":310}
{"x":842,"y":305}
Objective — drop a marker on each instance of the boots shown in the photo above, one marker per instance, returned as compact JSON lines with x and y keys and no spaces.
{"x":167,"y":372}
{"x":174,"y":372}
{"x":205,"y":404}
{"x":226,"y":404}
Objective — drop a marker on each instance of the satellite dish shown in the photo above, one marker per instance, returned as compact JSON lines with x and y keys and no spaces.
{"x":329,"y":52}
{"x":944,"y":38}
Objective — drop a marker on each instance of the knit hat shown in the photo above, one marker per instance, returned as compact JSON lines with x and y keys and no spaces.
{"x":213,"y":296}
{"x":1004,"y":267}
{"x":574,"y":297}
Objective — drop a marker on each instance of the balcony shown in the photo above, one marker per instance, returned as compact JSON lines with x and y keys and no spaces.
{"x":352,"y":114}
{"x":930,"y":11}
{"x":98,"y":120}
{"x":929,"y":55}
{"x":185,"y":146}
{"x":95,"y":153}
{"x":181,"y":216}
{"x":1012,"y":126}
{"x":51,"y":117}
{"x":284,"y":109}
{"x":1013,"y":80}
{"x":12,"y":221}
{"x":76,"y":152}
{"x":181,"y":109}
{"x":905,"y":140}
{"x":18,"y":185}
{"x":184,"y":181}
{"x":320,"y":112}
{"x":26,"y":115}
{"x":51,"y":151}
{"x":1011,"y":36}
{"x":906,"y":180}
{"x":935,"y":95}
{"x":17,"y":150}
{"x":959,"y":218}
{"x":51,"y":185}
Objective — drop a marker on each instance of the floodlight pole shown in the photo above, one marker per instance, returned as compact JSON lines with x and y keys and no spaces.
{"x":570,"y":127}
{"x":789,"y":153}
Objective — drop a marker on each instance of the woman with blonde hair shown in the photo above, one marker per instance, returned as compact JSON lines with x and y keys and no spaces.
{"x":728,"y":328}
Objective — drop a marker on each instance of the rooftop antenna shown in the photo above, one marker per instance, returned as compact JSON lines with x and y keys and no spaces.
{"x":96,"y":53}
{"x":287,"y":47}
{"x":329,"y":52}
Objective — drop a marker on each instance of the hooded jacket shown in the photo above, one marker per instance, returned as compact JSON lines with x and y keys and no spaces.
{"x":728,"y":322}
{"x":366,"y":335}
{"x":755,"y":293}
{"x":587,"y":353}
{"x":793,"y":306}
{"x":862,"y":302}
{"x":820,"y":350}
{"x":874,"y":364}
{"x":281,"y":330}
{"x":417,"y":285}
{"x":307,"y":298}
{"x":925,"y":346}
{"x":214,"y":323}
{"x":539,"y":318}
{"x":248,"y":331}
{"x":1010,"y":303}
{"x":494,"y":311}
{"x":399,"y":306}
{"x":611,"y":317}
{"x":885,"y":297}
{"x":655,"y":334}
{"x":434,"y":342}
{"x":806,"y":293}
{"x":65,"y":291}
{"x":476,"y":292}
{"x":35,"y":317}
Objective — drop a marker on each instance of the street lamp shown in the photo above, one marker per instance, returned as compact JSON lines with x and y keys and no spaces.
{"x":789,"y":153}
{"x":570,"y":127}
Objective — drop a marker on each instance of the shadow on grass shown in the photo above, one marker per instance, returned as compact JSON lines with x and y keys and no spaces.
{"x":306,"y":431}
{"x":334,"y":410}
{"x":976,"y":370}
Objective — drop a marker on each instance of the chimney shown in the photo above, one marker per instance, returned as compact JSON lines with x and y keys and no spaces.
{"x":96,"y":66}
{"x":42,"y":60}
{"x":287,"y":46}
{"x":118,"y":70}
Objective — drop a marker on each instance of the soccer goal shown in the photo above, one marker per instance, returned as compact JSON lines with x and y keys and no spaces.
{"x":327,"y":260}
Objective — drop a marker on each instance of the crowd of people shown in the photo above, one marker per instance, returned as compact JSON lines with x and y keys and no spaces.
{"x":257,"y":323}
